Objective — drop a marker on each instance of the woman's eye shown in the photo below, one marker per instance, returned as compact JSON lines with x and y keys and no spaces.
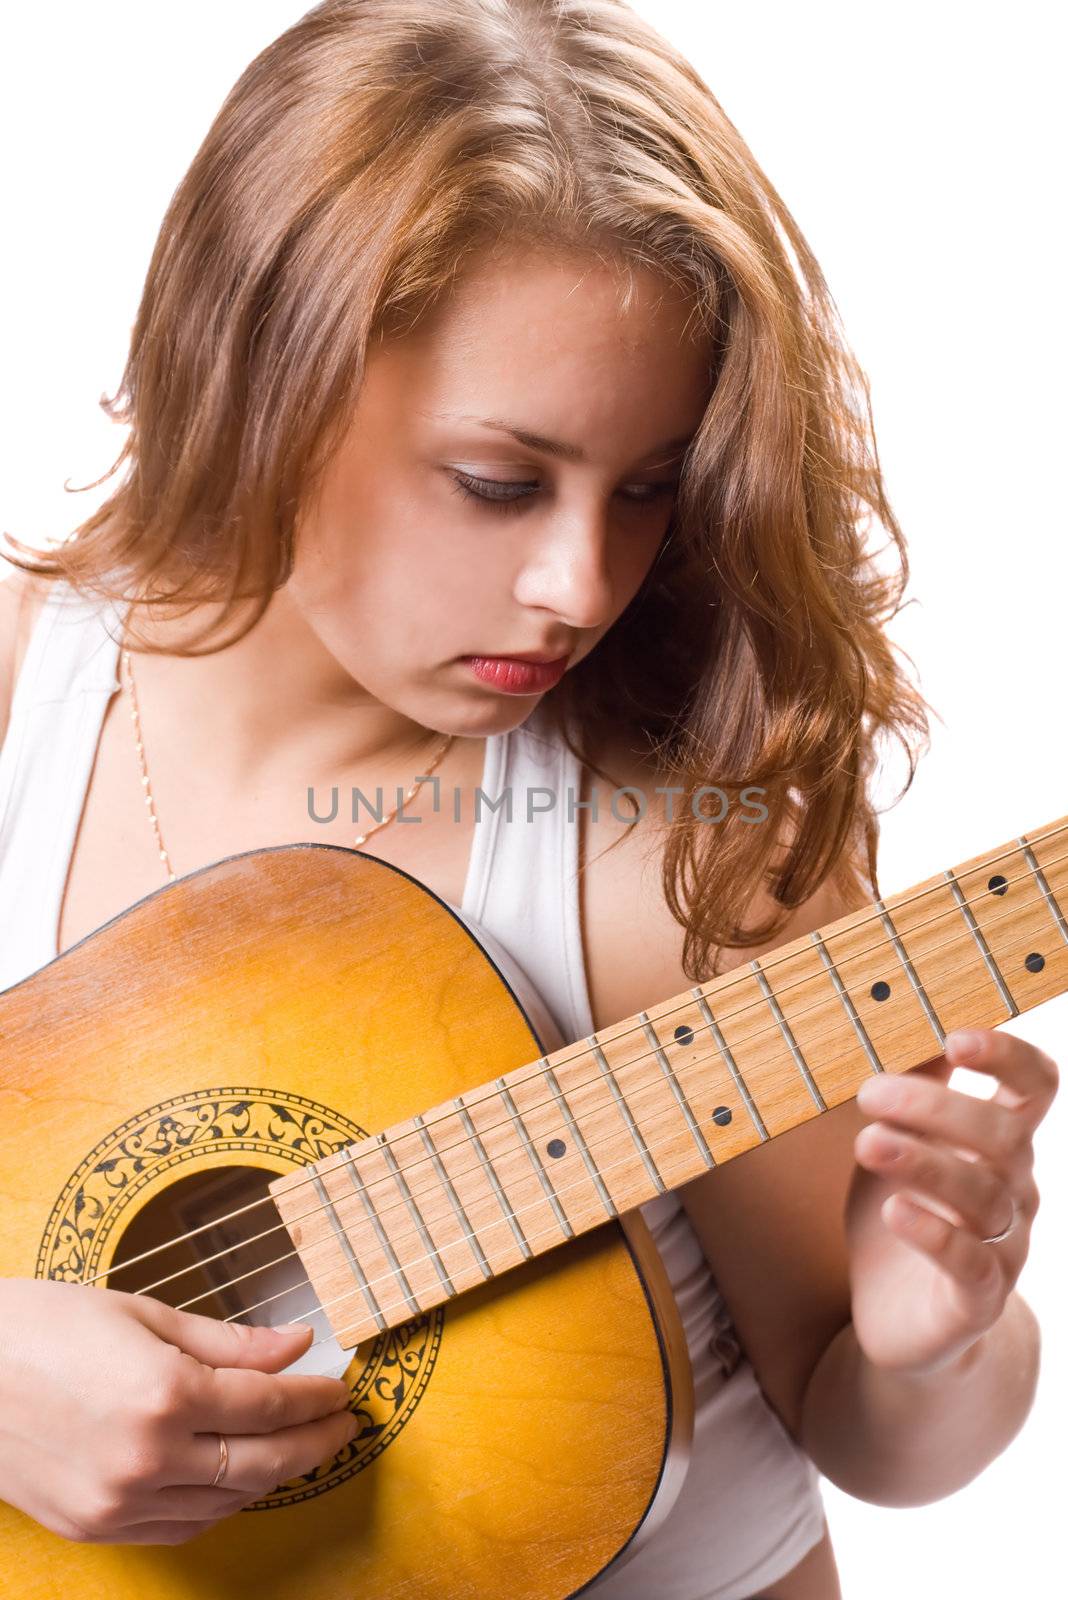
{"x":492,"y":492}
{"x":506,"y":496}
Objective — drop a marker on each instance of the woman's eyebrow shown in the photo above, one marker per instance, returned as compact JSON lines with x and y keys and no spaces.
{"x":538,"y":441}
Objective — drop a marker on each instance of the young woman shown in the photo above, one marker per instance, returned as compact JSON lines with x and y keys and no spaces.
{"x":476,"y":339}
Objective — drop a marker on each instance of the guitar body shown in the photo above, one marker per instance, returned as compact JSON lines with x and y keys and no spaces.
{"x":249,"y":1019}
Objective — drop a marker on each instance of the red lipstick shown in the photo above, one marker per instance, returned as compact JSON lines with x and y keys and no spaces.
{"x":531,"y":674}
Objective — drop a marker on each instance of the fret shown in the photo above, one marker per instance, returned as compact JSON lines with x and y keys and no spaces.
{"x":1055,"y":910}
{"x":606,"y":1138}
{"x":360,"y":1189}
{"x":429,"y":1247}
{"x":482,"y":1205}
{"x":1017,"y":918}
{"x":885,"y":997}
{"x":436,"y":1248}
{"x":676,"y":1089}
{"x":368,"y":1295}
{"x":576,"y":1133}
{"x":910,"y":971}
{"x":949,"y":961}
{"x":467,"y":1232}
{"x":819,"y":1017}
{"x":724,"y":1049}
{"x":494,"y":1182}
{"x":525,"y":1193}
{"x":402,"y":1232}
{"x":641,"y":1093}
{"x":348,"y":1256}
{"x":1049,"y":848}
{"x":984,"y":949}
{"x":850,"y":1010}
{"x":383,"y":1246}
{"x":643,"y":1100}
{"x":699,"y":1064}
{"x":749,"y":1035}
{"x":535,"y":1159}
{"x":784,"y":1027}
{"x":549,"y":1130}
{"x":625,"y":1112}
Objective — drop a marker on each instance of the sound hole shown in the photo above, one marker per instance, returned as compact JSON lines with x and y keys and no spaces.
{"x":242,"y":1266}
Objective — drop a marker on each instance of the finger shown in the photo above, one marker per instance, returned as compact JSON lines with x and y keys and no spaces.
{"x":957,"y":1119}
{"x":1028,"y":1076}
{"x":190,"y":1503}
{"x":233,"y":1383}
{"x":223,"y":1344}
{"x":976,"y":1268}
{"x":234,"y":1400}
{"x":259,"y":1463}
{"x":979,"y":1197}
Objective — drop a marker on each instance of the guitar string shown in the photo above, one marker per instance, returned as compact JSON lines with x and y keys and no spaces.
{"x":510,"y":1123}
{"x":578,"y":1052}
{"x":595,"y":1143}
{"x":504,"y":1218}
{"x":403,"y":1201}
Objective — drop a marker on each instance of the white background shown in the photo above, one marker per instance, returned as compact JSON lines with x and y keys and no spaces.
{"x":921,"y":150}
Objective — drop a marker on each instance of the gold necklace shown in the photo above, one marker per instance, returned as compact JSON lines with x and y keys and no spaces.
{"x":135,"y":717}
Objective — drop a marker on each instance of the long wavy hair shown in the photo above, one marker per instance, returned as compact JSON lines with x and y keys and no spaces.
{"x":356,"y":165}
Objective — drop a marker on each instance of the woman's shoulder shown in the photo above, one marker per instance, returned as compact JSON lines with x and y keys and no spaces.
{"x":22,"y":594}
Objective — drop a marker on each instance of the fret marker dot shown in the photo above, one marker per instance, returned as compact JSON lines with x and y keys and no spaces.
{"x":683,"y":1034}
{"x":880,"y":990}
{"x":1034,"y":962}
{"x":556,"y":1148}
{"x":722,"y":1115}
{"x":998,"y":884}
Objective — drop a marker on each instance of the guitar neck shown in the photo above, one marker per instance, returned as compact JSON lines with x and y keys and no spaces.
{"x":400,"y":1222}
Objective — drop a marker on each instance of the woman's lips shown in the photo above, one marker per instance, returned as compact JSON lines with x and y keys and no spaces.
{"x":511,"y":675}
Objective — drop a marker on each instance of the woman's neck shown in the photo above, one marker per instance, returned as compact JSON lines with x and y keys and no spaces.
{"x":274,"y":701}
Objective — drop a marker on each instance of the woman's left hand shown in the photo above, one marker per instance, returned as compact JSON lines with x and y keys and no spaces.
{"x":924,"y":1288}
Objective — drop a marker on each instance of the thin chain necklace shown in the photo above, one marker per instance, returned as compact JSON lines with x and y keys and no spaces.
{"x":135,"y":717}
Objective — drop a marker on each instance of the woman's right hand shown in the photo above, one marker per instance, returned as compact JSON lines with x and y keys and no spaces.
{"x":111,"y":1406}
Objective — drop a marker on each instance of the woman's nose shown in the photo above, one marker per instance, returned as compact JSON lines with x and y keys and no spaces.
{"x":568,"y":572}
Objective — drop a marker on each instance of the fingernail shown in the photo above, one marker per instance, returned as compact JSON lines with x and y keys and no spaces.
{"x":964,"y":1042}
{"x":877,"y":1094}
{"x":293,"y":1327}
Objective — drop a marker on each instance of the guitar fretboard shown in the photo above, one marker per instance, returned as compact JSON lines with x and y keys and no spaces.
{"x":399,"y":1223}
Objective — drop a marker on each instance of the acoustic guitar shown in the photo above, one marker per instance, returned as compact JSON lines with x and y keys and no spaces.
{"x":294,"y":1086}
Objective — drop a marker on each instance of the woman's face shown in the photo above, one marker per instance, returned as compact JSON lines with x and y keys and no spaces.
{"x":437,"y":534}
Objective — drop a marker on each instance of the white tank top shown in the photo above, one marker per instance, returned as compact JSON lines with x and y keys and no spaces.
{"x":750,"y":1506}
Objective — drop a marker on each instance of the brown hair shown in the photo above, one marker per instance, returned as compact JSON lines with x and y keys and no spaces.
{"x":352,"y":170}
